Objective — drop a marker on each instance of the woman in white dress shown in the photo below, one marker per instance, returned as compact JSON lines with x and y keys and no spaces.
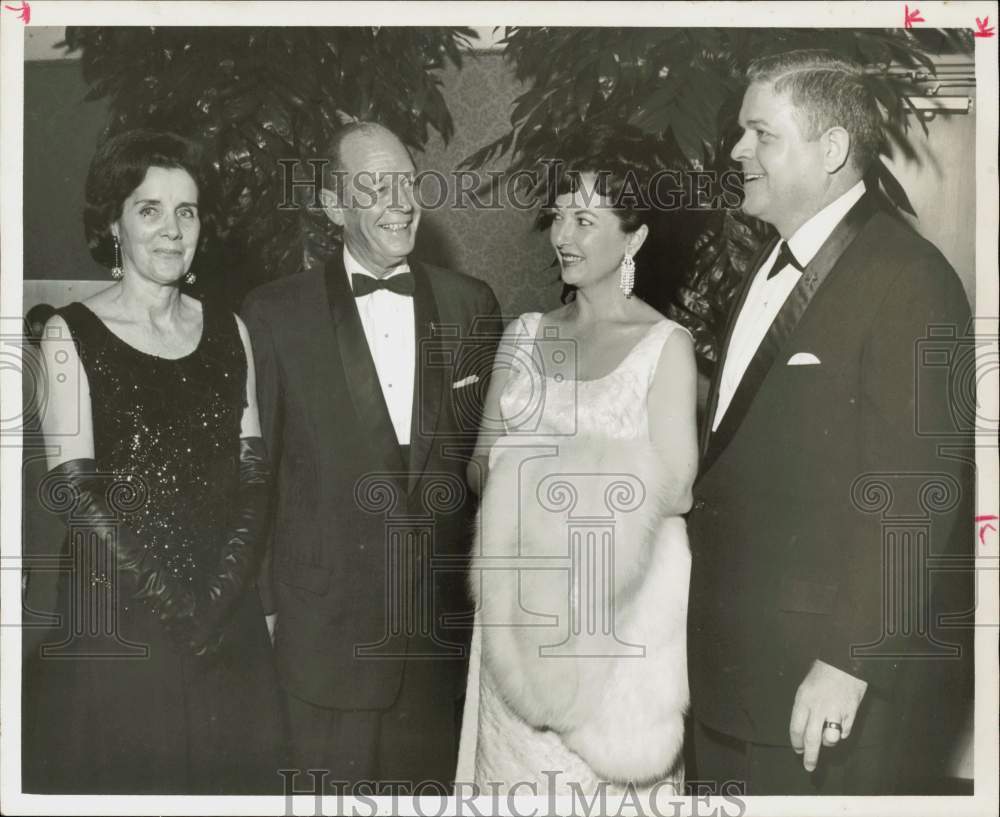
{"x":585,"y":460}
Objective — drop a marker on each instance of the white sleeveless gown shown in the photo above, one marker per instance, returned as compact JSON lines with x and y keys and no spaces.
{"x":515,"y":727}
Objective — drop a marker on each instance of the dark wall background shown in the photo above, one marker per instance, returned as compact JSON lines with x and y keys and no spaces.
{"x":60,"y":133}
{"x":501,"y":246}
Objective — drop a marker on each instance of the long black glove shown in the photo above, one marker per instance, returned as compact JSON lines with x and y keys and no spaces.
{"x":83,"y":497}
{"x":240,"y":555}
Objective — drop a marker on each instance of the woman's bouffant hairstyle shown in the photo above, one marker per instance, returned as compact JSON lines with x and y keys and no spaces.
{"x":627,"y":166}
{"x":630,"y":175}
{"x":119,"y":166}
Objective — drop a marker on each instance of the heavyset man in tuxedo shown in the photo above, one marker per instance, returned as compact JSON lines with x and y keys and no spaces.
{"x":370,"y":382}
{"x":803,"y":681}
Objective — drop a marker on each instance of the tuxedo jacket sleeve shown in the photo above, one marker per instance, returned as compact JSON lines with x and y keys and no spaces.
{"x":269,"y":389}
{"x":913,"y":464}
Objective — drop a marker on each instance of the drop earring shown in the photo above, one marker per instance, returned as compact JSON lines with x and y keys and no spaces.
{"x":117,"y":272}
{"x":627,"y":275}
{"x":190,"y":278}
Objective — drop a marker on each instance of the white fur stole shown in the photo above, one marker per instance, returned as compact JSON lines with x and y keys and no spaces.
{"x":582,"y":587}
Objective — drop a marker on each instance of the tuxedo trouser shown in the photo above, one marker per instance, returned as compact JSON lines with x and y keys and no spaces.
{"x":844,"y":769}
{"x":412,"y":742}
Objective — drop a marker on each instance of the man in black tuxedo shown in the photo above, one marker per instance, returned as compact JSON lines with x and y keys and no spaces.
{"x":824,"y":476}
{"x":370,"y":377}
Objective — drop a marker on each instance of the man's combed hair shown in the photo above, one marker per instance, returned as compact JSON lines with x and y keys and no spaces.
{"x":828,"y":90}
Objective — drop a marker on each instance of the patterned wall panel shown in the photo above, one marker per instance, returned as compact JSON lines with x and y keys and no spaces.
{"x":501,"y":246}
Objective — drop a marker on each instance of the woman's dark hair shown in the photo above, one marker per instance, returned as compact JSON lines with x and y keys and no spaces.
{"x":627,"y":166}
{"x":119,"y":166}
{"x":641,"y":187}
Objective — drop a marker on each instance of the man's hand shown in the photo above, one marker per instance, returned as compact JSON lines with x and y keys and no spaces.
{"x":272,"y":625}
{"x":826,"y":694}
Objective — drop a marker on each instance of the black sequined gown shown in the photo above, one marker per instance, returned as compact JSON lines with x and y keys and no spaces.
{"x":122,"y":710}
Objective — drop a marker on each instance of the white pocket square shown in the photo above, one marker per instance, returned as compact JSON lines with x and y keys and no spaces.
{"x":465,"y":381}
{"x":803,"y":359}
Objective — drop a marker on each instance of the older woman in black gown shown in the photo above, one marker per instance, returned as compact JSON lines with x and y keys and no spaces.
{"x":159,"y":678}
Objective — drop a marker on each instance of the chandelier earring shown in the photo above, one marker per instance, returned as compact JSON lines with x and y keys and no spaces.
{"x":117,"y":271}
{"x":626,"y":270}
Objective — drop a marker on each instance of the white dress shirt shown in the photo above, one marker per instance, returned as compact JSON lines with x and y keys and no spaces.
{"x":766,"y":297}
{"x":387,"y":318}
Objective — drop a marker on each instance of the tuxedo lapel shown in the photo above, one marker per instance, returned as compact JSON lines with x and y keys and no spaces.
{"x":429,"y":373}
{"x":784,"y":324}
{"x":373,"y":420}
{"x":713,"y":396}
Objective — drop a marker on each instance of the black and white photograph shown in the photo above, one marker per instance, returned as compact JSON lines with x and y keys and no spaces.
{"x":499,"y":408}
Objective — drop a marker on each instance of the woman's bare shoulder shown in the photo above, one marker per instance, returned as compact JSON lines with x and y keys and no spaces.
{"x":190,"y":304}
{"x":645,"y":315}
{"x":100,"y":302}
{"x":561,"y":316}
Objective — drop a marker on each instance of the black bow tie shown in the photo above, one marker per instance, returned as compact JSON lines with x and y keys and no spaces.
{"x":401,"y":284}
{"x":784,"y":258}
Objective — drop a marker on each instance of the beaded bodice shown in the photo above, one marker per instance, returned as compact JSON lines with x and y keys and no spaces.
{"x":169,"y":429}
